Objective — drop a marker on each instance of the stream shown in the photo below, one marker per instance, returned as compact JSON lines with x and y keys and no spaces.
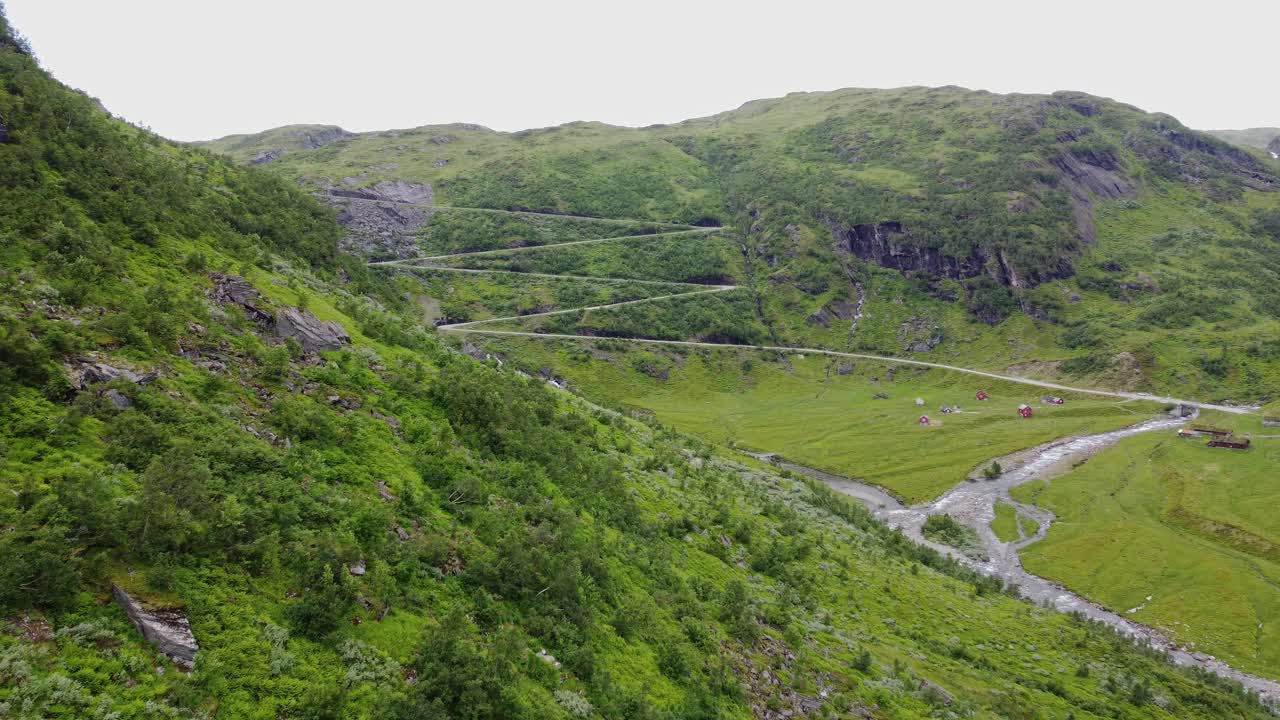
{"x":973,"y":503}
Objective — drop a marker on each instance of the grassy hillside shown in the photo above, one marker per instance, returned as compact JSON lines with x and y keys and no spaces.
{"x":1059,"y":235}
{"x":1179,"y":532}
{"x":392,"y":530}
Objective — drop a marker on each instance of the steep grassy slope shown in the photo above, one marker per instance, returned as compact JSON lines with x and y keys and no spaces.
{"x":1062,"y":235}
{"x":391,"y":530}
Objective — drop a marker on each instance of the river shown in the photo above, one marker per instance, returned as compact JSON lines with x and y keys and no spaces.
{"x":973,"y":503}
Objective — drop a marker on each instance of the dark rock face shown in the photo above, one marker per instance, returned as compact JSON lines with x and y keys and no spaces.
{"x":95,"y":373}
{"x":382,"y":221}
{"x":165,"y":628}
{"x":235,"y":290}
{"x":1274,"y":147}
{"x":312,"y":333}
{"x":1196,"y":157}
{"x":891,"y":245}
{"x":1085,"y":175}
{"x":1217,"y":148}
{"x":4,"y":132}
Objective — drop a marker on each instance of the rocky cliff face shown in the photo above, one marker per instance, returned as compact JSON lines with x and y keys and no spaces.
{"x":892,"y":246}
{"x":1274,"y":147}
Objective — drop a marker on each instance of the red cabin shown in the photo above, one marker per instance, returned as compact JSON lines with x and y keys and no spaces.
{"x":1025,"y":411}
{"x":982,"y":395}
{"x":924,"y":420}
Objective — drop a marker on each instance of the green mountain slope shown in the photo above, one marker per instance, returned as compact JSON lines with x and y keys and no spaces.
{"x":1063,"y":235}
{"x":204,"y":405}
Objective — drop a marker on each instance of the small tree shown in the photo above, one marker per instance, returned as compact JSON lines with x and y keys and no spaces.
{"x":993,"y":471}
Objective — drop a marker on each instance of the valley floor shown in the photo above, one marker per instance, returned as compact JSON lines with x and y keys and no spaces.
{"x":857,"y":415}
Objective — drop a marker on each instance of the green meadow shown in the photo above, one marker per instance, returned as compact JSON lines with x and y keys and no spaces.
{"x":804,"y":409}
{"x":1190,"y":527}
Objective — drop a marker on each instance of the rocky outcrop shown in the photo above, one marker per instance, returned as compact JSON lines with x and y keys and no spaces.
{"x":165,"y":628}
{"x":310,"y":137}
{"x":266,"y":156}
{"x":94,"y":373}
{"x":312,"y":333}
{"x":838,"y":310}
{"x":1197,"y":157}
{"x":933,"y":690}
{"x":1274,"y":148}
{"x":1087,"y":174}
{"x":235,"y":290}
{"x":891,"y":246}
{"x":382,"y":220}
{"x":318,"y":137}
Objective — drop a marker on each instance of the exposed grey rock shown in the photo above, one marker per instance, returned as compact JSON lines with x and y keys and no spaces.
{"x":473,"y":352}
{"x":117,"y":399}
{"x":165,"y":628}
{"x":313,"y":138}
{"x":235,"y":290}
{"x":836,"y":310}
{"x":94,"y":373}
{"x":390,"y":191}
{"x":357,"y":568}
{"x":1274,"y":147}
{"x":266,"y":156}
{"x":382,"y":221}
{"x":441,"y":139}
{"x":312,"y":333}
{"x":935,"y":690}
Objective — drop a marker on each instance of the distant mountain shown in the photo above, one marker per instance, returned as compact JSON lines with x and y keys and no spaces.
{"x":273,"y":144}
{"x":1108,"y":241}
{"x":1263,"y":138}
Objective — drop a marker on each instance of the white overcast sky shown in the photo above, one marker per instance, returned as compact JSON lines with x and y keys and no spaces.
{"x":198,"y":69}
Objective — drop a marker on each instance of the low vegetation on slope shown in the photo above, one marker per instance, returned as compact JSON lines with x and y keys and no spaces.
{"x":202,"y":405}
